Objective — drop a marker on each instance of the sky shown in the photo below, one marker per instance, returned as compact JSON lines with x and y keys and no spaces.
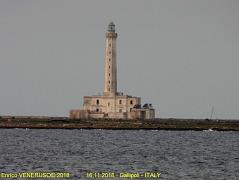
{"x":180,"y":55}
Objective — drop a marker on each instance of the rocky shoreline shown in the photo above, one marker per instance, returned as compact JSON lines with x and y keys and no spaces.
{"x":120,"y":124}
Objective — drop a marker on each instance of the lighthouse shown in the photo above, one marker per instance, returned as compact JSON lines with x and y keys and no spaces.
{"x":112,"y":104}
{"x":110,"y":83}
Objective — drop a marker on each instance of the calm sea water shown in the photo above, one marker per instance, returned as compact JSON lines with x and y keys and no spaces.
{"x":175,"y":154}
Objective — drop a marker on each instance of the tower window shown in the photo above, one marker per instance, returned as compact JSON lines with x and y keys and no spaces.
{"x":97,"y":110}
{"x":109,"y":82}
{"x":109,"y":45}
{"x":109,"y":52}
{"x":109,"y":59}
{"x":108,"y":104}
{"x":97,"y":101}
{"x":120,"y":101}
{"x":108,"y":89}
{"x":109,"y":67}
{"x":131,"y":102}
{"x":109,"y":74}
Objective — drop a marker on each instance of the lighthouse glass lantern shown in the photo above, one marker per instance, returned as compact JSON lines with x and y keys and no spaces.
{"x":111,"y":27}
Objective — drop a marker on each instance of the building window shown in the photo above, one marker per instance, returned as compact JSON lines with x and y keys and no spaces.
{"x":109,"y":45}
{"x":97,"y":101}
{"x":109,"y":82}
{"x":108,"y":89}
{"x":120,"y":110}
{"x":109,"y":59}
{"x":109,"y":67}
{"x":120,"y":101}
{"x":131,"y":102}
{"x":97,"y":110}
{"x":108,"y":104}
{"x":109,"y":74}
{"x":109,"y":52}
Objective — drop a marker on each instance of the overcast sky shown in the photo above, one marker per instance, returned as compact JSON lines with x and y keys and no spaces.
{"x":180,"y":55}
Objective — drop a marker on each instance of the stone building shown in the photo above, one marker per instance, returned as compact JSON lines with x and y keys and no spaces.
{"x":112,"y":104}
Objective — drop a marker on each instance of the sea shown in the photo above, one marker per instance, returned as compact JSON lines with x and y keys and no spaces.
{"x":119,"y":154}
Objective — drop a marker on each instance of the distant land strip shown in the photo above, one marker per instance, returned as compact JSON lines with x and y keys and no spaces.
{"x":44,"y":122}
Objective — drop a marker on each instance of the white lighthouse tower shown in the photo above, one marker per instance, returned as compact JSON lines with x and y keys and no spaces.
{"x":110,"y":62}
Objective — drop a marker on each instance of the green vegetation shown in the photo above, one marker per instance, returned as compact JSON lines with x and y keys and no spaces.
{"x":165,"y":124}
